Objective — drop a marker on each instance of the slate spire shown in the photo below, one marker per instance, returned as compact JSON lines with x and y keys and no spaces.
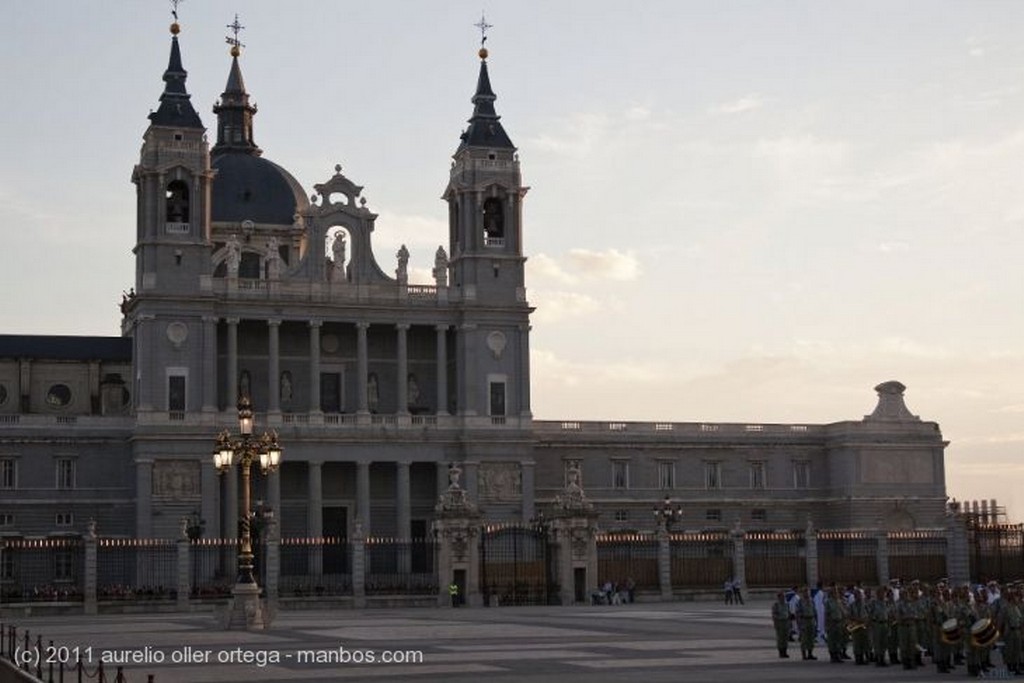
{"x":485,"y":128}
{"x":175,"y":109}
{"x":234,"y":111}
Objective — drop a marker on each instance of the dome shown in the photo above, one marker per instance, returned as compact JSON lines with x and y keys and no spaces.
{"x":249,"y":187}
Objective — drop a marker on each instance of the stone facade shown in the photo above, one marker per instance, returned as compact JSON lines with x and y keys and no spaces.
{"x":375,"y":385}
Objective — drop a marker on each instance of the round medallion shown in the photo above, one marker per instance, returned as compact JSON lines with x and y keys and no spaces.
{"x":496,"y":342}
{"x":177,"y":333}
{"x":329,"y":343}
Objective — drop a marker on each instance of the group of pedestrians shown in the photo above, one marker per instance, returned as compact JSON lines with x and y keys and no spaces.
{"x":733,"y":590}
{"x":897,"y":624}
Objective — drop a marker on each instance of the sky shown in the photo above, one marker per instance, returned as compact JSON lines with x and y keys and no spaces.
{"x":739,"y":211}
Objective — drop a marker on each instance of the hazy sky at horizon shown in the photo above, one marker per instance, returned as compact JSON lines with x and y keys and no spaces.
{"x":740,"y":211}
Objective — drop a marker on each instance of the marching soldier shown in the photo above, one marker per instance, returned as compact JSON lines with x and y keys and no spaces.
{"x":781,"y":619}
{"x":805,"y":618}
{"x":879,"y":611}
{"x":906,"y":614}
{"x":835,"y":624}
{"x":939,"y":612}
{"x":859,"y":620}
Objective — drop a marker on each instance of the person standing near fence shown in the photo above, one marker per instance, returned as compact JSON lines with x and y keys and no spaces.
{"x":453,"y":593}
{"x":737,"y":591}
{"x":806,"y":619}
{"x":781,"y":619}
{"x":727,"y":588}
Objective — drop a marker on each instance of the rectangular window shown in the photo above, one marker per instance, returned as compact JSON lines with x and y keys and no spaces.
{"x":65,"y":473}
{"x":8,"y":473}
{"x":712,"y":474}
{"x":622,"y":515}
{"x":666,"y":475}
{"x":497,"y":401}
{"x":801,"y":474}
{"x":759,"y":515}
{"x":620,"y":474}
{"x":176,"y":393}
{"x":713,"y":515}
{"x":330,"y":392}
{"x":758,"y":478}
{"x":6,"y":519}
{"x":65,"y":519}
{"x":6,"y":566}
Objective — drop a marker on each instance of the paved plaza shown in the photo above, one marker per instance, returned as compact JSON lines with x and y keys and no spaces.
{"x":649,"y":643}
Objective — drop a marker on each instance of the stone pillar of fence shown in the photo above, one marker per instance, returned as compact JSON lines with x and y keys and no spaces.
{"x":575,"y":533}
{"x":882,"y":556}
{"x":90,"y":579}
{"x":811,"y":553}
{"x":739,"y":561}
{"x":273,"y":560}
{"x":184,"y":576}
{"x":457,"y":529}
{"x":664,"y":562}
{"x":358,"y":564}
{"x":958,"y":561}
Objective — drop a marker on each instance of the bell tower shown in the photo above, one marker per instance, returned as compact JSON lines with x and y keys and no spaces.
{"x":169,"y":314}
{"x":484,"y":195}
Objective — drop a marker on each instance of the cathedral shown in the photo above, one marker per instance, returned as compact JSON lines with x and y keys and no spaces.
{"x":252,"y":285}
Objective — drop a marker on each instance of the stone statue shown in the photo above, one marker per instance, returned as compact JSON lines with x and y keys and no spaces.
{"x":338,"y":264}
{"x":454,"y":472}
{"x":273,"y":259}
{"x":234,"y":256}
{"x":441,"y":267}
{"x":403,"y":266}
{"x":286,"y":388}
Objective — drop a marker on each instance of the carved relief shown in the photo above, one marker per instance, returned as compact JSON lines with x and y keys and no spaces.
{"x":176,"y":479}
{"x":500,"y":482}
{"x":496,"y":342}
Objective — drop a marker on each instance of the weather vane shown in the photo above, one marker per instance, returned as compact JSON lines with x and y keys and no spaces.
{"x":235,"y":44}
{"x":174,"y":8}
{"x":483,"y":26}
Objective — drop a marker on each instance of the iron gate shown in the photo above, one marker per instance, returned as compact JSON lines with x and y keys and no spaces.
{"x":517,"y":565}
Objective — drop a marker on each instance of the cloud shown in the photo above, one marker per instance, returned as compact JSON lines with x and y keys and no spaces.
{"x":553,"y":306}
{"x":892,"y":247}
{"x":638,"y":113}
{"x":394,"y":229}
{"x":610,"y":264}
{"x":747,"y":103}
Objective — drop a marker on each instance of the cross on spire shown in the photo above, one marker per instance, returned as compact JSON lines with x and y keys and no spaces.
{"x":233,"y":41}
{"x":483,"y":26}
{"x":174,"y":8}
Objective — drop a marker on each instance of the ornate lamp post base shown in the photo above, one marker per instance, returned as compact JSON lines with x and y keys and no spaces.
{"x":245,"y":611}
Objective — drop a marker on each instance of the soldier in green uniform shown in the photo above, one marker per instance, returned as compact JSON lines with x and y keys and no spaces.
{"x":859,"y":627}
{"x":906,"y":615}
{"x":1010,"y":621}
{"x":940,"y":611}
{"x":805,"y":619}
{"x":835,"y":624}
{"x":879,"y":610}
{"x":780,"y":618}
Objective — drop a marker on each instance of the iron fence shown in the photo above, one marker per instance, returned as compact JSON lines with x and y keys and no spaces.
{"x":700,"y":560}
{"x":48,"y":661}
{"x":917,"y":555}
{"x":213,"y":567}
{"x":43,"y":570}
{"x":775,"y":558}
{"x":136,"y":569}
{"x":625,"y":556}
{"x":847,"y":557}
{"x":315,"y":567}
{"x":996,"y":552}
{"x":517,"y":565}
{"x":396,"y":567}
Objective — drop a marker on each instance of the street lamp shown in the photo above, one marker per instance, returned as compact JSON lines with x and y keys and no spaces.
{"x":246,"y":449}
{"x":666,"y":515}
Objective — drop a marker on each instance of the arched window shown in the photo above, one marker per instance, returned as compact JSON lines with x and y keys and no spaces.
{"x":494,"y":222}
{"x":177,"y":202}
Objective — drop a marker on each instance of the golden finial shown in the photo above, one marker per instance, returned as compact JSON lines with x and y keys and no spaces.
{"x":483,"y":26}
{"x":175,"y":26}
{"x":236,"y":45}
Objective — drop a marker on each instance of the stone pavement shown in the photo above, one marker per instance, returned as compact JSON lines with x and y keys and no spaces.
{"x":651,"y":643}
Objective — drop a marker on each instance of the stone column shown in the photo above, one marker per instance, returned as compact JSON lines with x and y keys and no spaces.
{"x":403,"y":368}
{"x":210,"y":503}
{"x":143,"y":498}
{"x":315,"y":515}
{"x":363,"y":496}
{"x":527,"y":469}
{"x":442,"y":370}
{"x":524,"y":372}
{"x":664,"y":562}
{"x":274,"y":493}
{"x":210,"y":363}
{"x":739,"y":559}
{"x":274,"y":366}
{"x":314,"y":367}
{"x":362,"y":371}
{"x":273,"y":556}
{"x":402,"y":497}
{"x":958,"y":561}
{"x":811,"y":547}
{"x":469,"y":359}
{"x":882,"y":556}
{"x":231,"y":376}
